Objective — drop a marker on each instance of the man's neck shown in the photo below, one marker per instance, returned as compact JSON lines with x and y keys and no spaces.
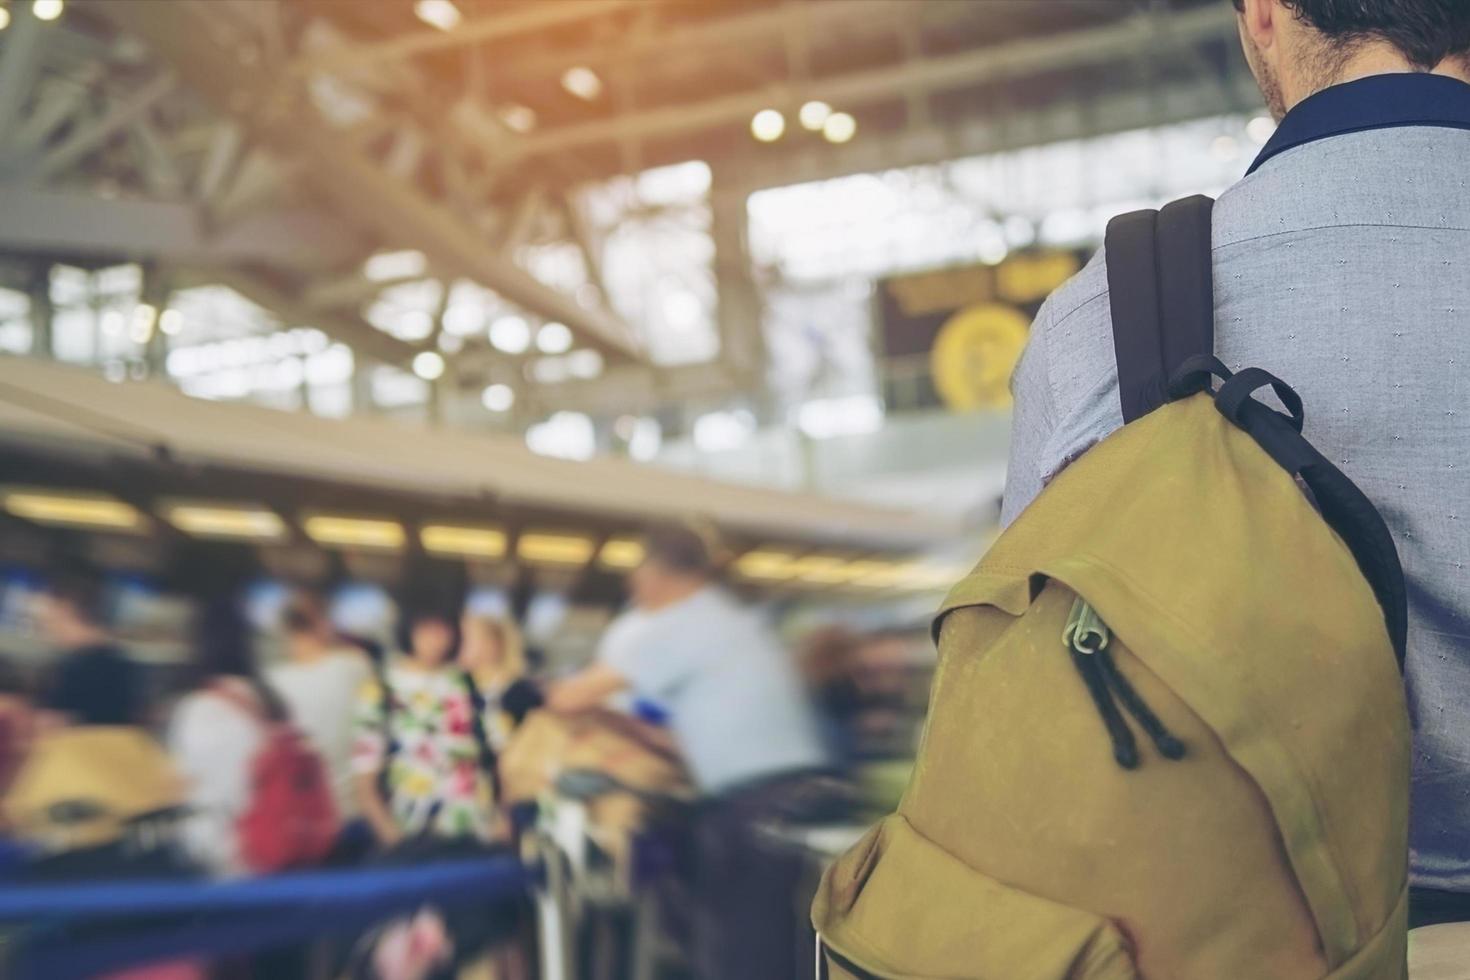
{"x":1379,"y":59}
{"x":78,"y":635}
{"x":308,"y":649}
{"x":676,"y":595}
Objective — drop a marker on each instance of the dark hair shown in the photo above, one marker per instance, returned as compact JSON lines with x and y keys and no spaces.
{"x":304,"y":612}
{"x":81,"y":587}
{"x":1424,"y":31}
{"x":425,"y":609}
{"x":223,"y":647}
{"x":678,"y":548}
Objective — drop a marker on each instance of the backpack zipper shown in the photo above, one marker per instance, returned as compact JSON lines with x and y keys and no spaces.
{"x":1086,"y":638}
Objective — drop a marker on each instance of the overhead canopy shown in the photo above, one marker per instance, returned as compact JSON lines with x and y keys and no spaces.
{"x":73,"y":412}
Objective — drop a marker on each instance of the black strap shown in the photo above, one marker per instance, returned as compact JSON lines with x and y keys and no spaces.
{"x":489,"y":764}
{"x":1162,"y":298}
{"x":1345,"y":508}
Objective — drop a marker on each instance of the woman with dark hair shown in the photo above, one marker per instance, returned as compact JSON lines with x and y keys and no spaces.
{"x":215,"y":733}
{"x":423,"y":762}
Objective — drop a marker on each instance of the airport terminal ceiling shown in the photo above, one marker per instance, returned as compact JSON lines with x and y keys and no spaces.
{"x":494,"y":212}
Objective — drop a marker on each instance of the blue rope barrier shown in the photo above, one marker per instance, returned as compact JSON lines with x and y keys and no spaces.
{"x":110,"y":899}
{"x":227,"y":918}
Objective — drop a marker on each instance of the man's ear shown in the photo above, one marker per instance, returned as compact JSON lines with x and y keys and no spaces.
{"x":1259,"y":20}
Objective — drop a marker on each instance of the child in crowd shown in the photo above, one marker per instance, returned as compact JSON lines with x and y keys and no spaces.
{"x":422,"y":757}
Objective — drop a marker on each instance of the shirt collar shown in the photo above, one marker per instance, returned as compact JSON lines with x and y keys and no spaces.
{"x":1374,"y":102}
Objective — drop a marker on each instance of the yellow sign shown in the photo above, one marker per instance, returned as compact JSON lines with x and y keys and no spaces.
{"x":974,"y":354}
{"x":1029,"y":277}
{"x":944,"y":289}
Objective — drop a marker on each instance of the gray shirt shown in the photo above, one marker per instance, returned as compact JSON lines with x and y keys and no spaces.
{"x":1342,"y":266}
{"x":736,"y":705}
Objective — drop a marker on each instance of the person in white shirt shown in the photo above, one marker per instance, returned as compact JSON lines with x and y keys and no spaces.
{"x":214,"y":735}
{"x":319,"y":683}
{"x":739,"y":714}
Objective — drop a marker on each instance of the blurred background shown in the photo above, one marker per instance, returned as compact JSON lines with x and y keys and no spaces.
{"x":344,"y":295}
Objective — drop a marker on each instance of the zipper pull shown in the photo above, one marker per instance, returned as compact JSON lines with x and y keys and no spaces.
{"x":1085,"y":631}
{"x":1086,"y":638}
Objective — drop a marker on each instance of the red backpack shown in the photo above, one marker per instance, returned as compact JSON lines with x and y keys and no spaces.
{"x":291,"y":819}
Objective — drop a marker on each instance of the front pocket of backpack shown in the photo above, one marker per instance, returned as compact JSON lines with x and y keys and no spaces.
{"x":898,"y":907}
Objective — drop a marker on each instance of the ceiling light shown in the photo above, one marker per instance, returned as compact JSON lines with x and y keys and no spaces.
{"x":442,"y":14}
{"x":354,"y":532}
{"x":884,"y":575}
{"x":621,"y":553}
{"x":766,"y":565}
{"x":820,"y":569}
{"x":768,"y":125}
{"x":4,"y":18}
{"x":510,"y":334}
{"x":428,"y":365}
{"x":554,"y":338}
{"x":220,"y":521}
{"x":47,"y":9}
{"x":584,"y":364}
{"x":549,"y":548}
{"x":582,"y":82}
{"x":1260,"y":128}
{"x":386,"y":266}
{"x":498,"y":397}
{"x":171,"y":323}
{"x":813,"y":114}
{"x":856,"y":571}
{"x":518,"y":118}
{"x":63,"y":509}
{"x":145,"y":316}
{"x":839,"y":127}
{"x":468,"y":542}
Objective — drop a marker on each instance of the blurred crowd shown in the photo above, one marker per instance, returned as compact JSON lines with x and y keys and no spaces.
{"x":340,"y":753}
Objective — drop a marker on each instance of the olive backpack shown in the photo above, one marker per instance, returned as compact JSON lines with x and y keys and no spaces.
{"x":1168,"y":736}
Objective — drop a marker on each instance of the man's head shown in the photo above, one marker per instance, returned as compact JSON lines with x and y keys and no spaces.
{"x":676,"y":564}
{"x":305,"y":621}
{"x":1298,"y":47}
{"x":70,"y":610}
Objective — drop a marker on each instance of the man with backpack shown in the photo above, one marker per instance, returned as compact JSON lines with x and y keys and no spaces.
{"x":1342,"y":263}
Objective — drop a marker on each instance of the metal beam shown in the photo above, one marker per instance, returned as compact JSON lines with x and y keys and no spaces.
{"x":87,"y":138}
{"x":20,"y":59}
{"x":1134,"y":36}
{"x":57,"y":100}
{"x":721,"y":32}
{"x":522,"y":21}
{"x":358,"y":187}
{"x":78,"y":225}
{"x":1112,"y":113}
{"x":219,"y":160}
{"x":348,"y":292}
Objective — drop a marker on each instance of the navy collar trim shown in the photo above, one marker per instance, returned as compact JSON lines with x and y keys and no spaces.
{"x":1374,"y":102}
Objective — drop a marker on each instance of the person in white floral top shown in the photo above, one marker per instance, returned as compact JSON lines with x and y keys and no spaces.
{"x":421,"y":769}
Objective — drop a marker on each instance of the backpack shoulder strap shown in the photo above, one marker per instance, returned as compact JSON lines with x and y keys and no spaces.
{"x":1161,"y":293}
{"x":489,"y":763}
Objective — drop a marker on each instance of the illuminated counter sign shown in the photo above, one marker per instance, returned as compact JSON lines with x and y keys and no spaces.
{"x":952,"y":337}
